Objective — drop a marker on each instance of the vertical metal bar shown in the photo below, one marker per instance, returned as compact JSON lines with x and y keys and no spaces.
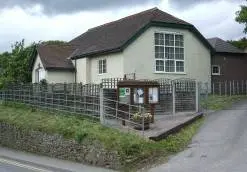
{"x":246,"y":87}
{"x":233,"y":87}
{"x":129,"y":116}
{"x":52,"y":96}
{"x":213,"y":88}
{"x":116,"y":109}
{"x":230,"y":84}
{"x":225,"y":88}
{"x":238,"y":87}
{"x":74,"y":97}
{"x":102,"y":118}
{"x":220,"y":88}
{"x":173,"y":99}
{"x":197,"y":97}
{"x":143,"y":122}
{"x":242,"y":90}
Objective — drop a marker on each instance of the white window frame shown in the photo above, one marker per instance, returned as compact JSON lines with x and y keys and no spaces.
{"x":218,"y":66}
{"x":166,"y":59}
{"x":101,"y":64}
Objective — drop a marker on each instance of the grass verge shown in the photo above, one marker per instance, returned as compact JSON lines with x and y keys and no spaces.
{"x":221,"y":102}
{"x":132,"y":149}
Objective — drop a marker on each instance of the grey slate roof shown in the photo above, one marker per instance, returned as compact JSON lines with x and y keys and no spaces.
{"x":114,"y":35}
{"x":222,"y":46}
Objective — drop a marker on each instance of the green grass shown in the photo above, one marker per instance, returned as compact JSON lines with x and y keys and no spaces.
{"x":221,"y":102}
{"x":132,"y":149}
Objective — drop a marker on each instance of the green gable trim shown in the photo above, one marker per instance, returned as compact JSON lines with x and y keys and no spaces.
{"x":142,"y":30}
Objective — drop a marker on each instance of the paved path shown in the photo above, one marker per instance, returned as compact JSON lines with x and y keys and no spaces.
{"x":15,"y":161}
{"x":220,"y":145}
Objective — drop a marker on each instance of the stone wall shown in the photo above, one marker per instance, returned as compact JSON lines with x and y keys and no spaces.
{"x":54,"y":145}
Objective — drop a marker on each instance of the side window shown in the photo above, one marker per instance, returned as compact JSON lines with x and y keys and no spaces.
{"x":39,"y":74}
{"x":102,"y":66}
{"x":215,"y":70}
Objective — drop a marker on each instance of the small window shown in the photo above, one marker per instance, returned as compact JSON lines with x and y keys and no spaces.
{"x":39,"y":74}
{"x":102,"y":66}
{"x":215,"y":70}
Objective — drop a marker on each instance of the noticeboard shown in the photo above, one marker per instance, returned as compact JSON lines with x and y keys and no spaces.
{"x":153,"y":95}
{"x":124,"y":95}
{"x":138,"y":95}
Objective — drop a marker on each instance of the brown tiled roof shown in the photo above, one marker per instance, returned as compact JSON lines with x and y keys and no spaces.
{"x":113,"y":36}
{"x":222,"y":46}
{"x":56,"y":56}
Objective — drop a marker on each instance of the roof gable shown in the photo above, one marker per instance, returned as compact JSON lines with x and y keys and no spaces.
{"x":222,"y":46}
{"x":115,"y":36}
{"x":56,"y":56}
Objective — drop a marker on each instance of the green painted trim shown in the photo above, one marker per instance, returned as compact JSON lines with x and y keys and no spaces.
{"x":143,"y":29}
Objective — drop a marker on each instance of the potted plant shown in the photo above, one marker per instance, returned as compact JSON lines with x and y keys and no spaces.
{"x":142,"y":118}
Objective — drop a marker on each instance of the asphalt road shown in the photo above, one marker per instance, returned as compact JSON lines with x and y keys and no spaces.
{"x":8,"y":165}
{"x":11,"y":168}
{"x":220,"y":145}
{"x":16,"y":161}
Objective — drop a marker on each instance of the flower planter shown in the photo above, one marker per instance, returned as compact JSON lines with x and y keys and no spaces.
{"x":138,"y":119}
{"x":139,"y":127}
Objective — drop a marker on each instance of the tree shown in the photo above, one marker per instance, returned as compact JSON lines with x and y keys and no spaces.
{"x":53,"y":42}
{"x":242,"y":43}
{"x":15,"y":64}
{"x":242,"y":17}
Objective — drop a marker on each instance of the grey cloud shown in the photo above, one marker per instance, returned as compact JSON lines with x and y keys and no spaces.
{"x":185,"y":4}
{"x":65,"y":6}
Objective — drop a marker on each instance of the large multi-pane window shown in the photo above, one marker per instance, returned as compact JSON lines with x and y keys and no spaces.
{"x":169,"y":52}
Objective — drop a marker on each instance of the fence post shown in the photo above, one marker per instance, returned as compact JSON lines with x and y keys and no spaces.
{"x":225,"y":88}
{"x":75,"y":88}
{"x":220,"y":88}
{"x":197,"y":96}
{"x":213,"y":88}
{"x":173,"y":98}
{"x":81,"y":99}
{"x":233,"y":87}
{"x":238,"y":87}
{"x":246,"y":87}
{"x":102,"y":119}
{"x":242,"y":87}
{"x":52,"y":94}
{"x":230,"y":83}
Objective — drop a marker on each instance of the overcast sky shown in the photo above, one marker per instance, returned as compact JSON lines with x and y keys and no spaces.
{"x":35,"y":20}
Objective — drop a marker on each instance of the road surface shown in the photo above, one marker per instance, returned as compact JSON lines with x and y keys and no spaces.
{"x":16,"y":161}
{"x":220,"y":145}
{"x":10,"y":165}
